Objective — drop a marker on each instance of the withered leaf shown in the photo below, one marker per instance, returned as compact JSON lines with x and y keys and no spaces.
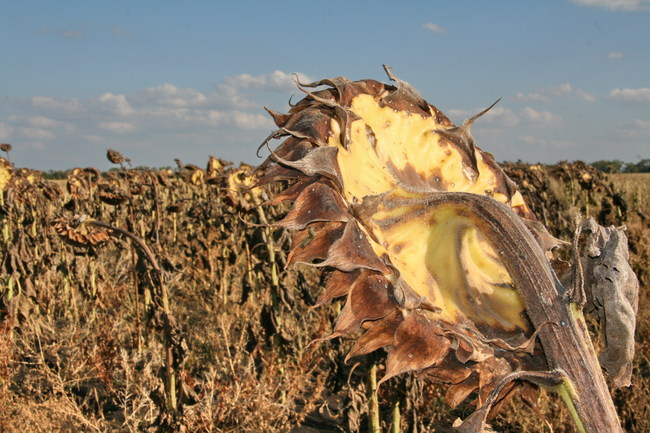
{"x":477,"y":421}
{"x":318,"y":161}
{"x":612,"y":291}
{"x":313,"y":242}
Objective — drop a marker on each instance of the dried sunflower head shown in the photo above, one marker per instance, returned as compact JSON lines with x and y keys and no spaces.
{"x":215,"y":169}
{"x":6,"y":173}
{"x":81,"y":180}
{"x":77,"y":232}
{"x":421,"y":276}
{"x":438,"y":255}
{"x":241,"y":190}
{"x":115,"y":157}
{"x":111,"y":194}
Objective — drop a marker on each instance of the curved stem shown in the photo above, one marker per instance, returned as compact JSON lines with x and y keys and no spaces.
{"x":567,"y":345}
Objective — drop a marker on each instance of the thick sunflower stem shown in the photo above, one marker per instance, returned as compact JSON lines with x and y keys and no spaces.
{"x":566,"y":341}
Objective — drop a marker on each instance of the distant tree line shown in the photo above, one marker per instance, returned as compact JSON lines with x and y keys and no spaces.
{"x":55,"y":174}
{"x":618,"y":166}
{"x":63,"y":174}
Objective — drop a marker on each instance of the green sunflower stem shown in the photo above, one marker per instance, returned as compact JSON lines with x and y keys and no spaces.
{"x":566,"y":391}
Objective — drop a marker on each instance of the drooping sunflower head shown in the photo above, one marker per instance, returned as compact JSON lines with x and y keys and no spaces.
{"x":6,"y":173}
{"x":377,"y":176}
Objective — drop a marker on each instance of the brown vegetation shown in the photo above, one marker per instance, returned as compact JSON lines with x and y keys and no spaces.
{"x":88,"y":344}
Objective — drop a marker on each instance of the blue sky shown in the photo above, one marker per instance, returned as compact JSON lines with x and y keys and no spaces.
{"x":158,"y":80}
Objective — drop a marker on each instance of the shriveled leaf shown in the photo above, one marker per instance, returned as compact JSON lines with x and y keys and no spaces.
{"x":353,"y":251}
{"x":612,"y":291}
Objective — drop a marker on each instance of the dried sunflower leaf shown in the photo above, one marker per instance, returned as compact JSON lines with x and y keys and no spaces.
{"x":612,"y":291}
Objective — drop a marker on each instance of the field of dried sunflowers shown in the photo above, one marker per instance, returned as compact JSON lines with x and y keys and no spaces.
{"x":160,"y":300}
{"x":88,"y":319}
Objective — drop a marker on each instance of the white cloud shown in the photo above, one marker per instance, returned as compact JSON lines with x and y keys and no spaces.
{"x":41,"y":122}
{"x":250,"y":121}
{"x":38,"y":126}
{"x":458,"y":114}
{"x":630,"y":96}
{"x":117,"y":30}
{"x":32,"y":145}
{"x":498,"y":116}
{"x":434,"y":28}
{"x":540,"y":118}
{"x":36,"y":133}
{"x":6,"y":131}
{"x":642,"y":124}
{"x":567,"y":90}
{"x":501,"y":117}
{"x":170,"y":95}
{"x":46,"y":122}
{"x":615,"y":55}
{"x":56,"y":104}
{"x":505,"y":118}
{"x":563,"y":90}
{"x":277,"y":80}
{"x":636,"y":129}
{"x":616,"y":5}
{"x":118,"y":127}
{"x":531,"y":97}
{"x":220,"y":121}
{"x":529,"y":139}
{"x":114,"y":104}
{"x":542,"y":142}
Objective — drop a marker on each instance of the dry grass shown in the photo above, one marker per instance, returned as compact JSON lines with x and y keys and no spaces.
{"x":82,"y":333}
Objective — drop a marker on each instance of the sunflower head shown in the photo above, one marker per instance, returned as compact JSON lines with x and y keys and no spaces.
{"x":370,"y":169}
